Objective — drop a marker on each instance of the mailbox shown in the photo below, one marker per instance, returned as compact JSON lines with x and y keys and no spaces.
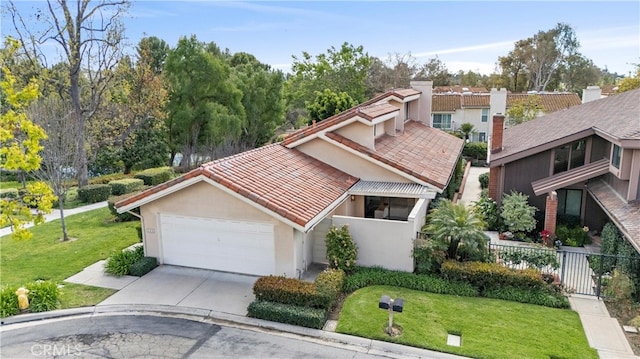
{"x":398,"y":304}
{"x":385,"y":302}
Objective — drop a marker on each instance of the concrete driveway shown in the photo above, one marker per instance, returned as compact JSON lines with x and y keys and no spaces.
{"x":189,"y":287}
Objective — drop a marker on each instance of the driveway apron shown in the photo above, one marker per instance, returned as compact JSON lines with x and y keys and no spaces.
{"x":189,"y":287}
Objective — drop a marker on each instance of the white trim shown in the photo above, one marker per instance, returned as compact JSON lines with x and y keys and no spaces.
{"x":382,"y":118}
{"x":325,"y":212}
{"x":378,"y":163}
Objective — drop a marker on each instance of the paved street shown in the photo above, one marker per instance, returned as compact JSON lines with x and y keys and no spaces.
{"x":146,"y":336}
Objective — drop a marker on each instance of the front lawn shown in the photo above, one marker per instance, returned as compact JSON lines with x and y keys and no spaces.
{"x":94,"y":237}
{"x":490,"y":328}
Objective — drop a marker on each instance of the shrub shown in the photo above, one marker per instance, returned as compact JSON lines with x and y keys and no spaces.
{"x":620,"y":287}
{"x":122,"y":217}
{"x":364,"y":277}
{"x":484,"y":180}
{"x":341,"y":249}
{"x":8,"y":301}
{"x":574,"y":237}
{"x":143,"y":266}
{"x":9,"y":193}
{"x":517,"y":214}
{"x":485,"y":276}
{"x":288,"y":291}
{"x":488,"y":209}
{"x":119,"y":263}
{"x":531,"y":296}
{"x":286,"y":313}
{"x":329,"y":285}
{"x":94,"y":193}
{"x":155,"y":176}
{"x":428,"y":257}
{"x":127,"y":185}
{"x":105,"y":179}
{"x":43,"y":296}
{"x":475,"y":150}
{"x":533,"y":258}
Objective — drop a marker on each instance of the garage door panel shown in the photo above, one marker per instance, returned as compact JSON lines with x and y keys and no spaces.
{"x":233,"y":246}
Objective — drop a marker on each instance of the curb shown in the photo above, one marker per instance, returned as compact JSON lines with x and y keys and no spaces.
{"x":358,"y":344}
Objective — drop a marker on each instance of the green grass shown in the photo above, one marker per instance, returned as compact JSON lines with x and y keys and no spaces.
{"x":45,"y":257}
{"x":10,"y":184}
{"x":77,"y":295}
{"x":490,"y":328}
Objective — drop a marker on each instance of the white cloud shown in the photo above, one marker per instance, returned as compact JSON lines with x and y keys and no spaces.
{"x":481,"y":67}
{"x":506,"y":45}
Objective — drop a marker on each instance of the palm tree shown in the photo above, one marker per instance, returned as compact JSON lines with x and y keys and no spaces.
{"x":456,"y":226}
{"x":467,"y":129}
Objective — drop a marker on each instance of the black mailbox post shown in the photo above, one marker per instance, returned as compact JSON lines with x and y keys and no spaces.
{"x":392,"y":305}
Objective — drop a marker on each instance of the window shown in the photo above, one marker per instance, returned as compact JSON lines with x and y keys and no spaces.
{"x":569,"y":202}
{"x":485,"y":115}
{"x":482,"y":136}
{"x":442,"y":121}
{"x":569,"y":156}
{"x":615,"y":157}
{"x":388,"y":207}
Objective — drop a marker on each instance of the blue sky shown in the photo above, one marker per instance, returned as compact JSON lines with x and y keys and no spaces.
{"x":464,"y":35}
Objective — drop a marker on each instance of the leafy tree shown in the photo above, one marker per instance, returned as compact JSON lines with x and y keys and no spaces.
{"x":204,"y":107}
{"x":329,"y":103}
{"x":630,"y":83}
{"x":90,"y":36}
{"x":516,"y":212}
{"x":524,"y":110}
{"x":20,"y":141}
{"x":339,"y":70}
{"x":578,"y":73}
{"x":262,"y":99}
{"x":154,"y":51}
{"x":435,"y":70}
{"x":513,"y":67}
{"x":457,"y":228}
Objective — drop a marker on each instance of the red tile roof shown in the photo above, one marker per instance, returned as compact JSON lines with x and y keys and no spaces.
{"x":475,"y":100}
{"x":369,"y":110}
{"x":551,"y":102}
{"x":445,"y":103}
{"x":459,"y":89}
{"x":421,"y":151}
{"x":285,"y":181}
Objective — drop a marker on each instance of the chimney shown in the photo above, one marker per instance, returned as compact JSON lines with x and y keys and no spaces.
{"x":551,"y":212}
{"x":591,"y":93}
{"x":497,"y":132}
{"x":424,"y":102}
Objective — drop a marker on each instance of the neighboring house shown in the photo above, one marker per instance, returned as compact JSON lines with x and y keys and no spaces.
{"x":374,"y":167}
{"x":452,"y":109}
{"x":583,"y":161}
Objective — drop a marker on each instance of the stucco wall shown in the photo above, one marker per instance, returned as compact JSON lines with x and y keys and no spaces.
{"x":359,"y":133}
{"x":204,"y":200}
{"x":348,"y":162}
{"x":381,"y":242}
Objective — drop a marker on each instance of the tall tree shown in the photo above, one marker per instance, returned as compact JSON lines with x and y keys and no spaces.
{"x":262,"y":99}
{"x":524,"y":110}
{"x":513,"y":68}
{"x":579,"y":72}
{"x":339,"y":70}
{"x":435,"y":70}
{"x":630,"y":83}
{"x":58,"y":163}
{"x":204,"y":105}
{"x":20,"y":144}
{"x":90,"y":36}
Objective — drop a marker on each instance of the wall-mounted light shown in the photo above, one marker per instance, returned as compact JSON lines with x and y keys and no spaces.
{"x":353,"y":198}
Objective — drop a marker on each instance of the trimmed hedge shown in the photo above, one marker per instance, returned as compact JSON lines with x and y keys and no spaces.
{"x":364,"y":277}
{"x":9,"y":193}
{"x":288,"y":291}
{"x":8,"y":302}
{"x":143,"y":266}
{"x":155,"y":176}
{"x":475,"y":150}
{"x":127,"y":185}
{"x":287,"y":313}
{"x":105,"y":179}
{"x":486,"y":276}
{"x":122,"y":217}
{"x":329,"y":285}
{"x":94,"y":193}
{"x":531,"y":296}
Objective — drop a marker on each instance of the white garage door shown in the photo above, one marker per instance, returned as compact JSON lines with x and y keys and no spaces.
{"x":225,"y":245}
